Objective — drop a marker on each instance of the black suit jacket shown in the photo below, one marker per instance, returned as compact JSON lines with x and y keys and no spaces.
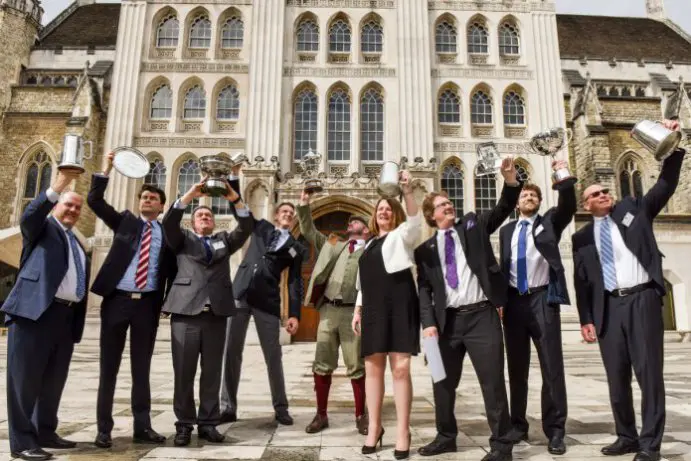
{"x":474,"y":232}
{"x":127,"y":230}
{"x":638,"y":237}
{"x":553,"y":223}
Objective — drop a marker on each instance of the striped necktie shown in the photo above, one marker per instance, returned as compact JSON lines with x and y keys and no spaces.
{"x":142,"y":273}
{"x":609,"y":273}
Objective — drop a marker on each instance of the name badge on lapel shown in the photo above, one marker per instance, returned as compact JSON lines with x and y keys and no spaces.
{"x":628,"y":218}
{"x":292,"y":252}
{"x":469,"y":225}
{"x":218,"y":245}
{"x":539,"y":230}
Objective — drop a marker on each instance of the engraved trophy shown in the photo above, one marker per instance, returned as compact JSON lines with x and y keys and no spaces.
{"x":488,"y":159}
{"x":73,"y":155}
{"x":550,"y":142}
{"x":217,"y":169}
{"x":310,"y":168}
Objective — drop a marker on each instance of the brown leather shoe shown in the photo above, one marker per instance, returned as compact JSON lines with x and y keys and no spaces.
{"x":362,"y":424}
{"x":318,"y":424}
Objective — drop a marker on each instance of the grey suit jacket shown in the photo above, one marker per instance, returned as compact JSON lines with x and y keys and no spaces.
{"x":198,"y":280}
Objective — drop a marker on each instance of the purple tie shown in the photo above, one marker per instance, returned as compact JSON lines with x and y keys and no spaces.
{"x":450,"y":259}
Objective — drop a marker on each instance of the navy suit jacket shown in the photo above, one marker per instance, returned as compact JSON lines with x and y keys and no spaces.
{"x":553,"y":223}
{"x":42,"y":267}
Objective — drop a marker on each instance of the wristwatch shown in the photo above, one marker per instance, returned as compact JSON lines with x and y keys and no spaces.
{"x":237,"y":200}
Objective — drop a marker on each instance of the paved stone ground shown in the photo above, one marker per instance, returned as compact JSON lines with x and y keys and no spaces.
{"x":255,"y":436}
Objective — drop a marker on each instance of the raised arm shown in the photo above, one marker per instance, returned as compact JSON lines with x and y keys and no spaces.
{"x":494,"y":218}
{"x":312,"y":235}
{"x":411,"y":229}
{"x":34,"y":218}
{"x":237,"y":238}
{"x":174,"y":236}
{"x":658,"y":196}
{"x":97,"y":202}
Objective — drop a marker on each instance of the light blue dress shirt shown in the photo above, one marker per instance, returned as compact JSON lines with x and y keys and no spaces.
{"x":127,"y":281}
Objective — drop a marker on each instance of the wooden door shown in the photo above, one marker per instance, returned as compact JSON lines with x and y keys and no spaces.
{"x":332,"y":223}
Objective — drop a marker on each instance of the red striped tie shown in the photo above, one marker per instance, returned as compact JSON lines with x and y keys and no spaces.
{"x":140,"y":277}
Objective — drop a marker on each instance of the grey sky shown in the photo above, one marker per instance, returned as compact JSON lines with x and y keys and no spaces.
{"x":677,"y":10}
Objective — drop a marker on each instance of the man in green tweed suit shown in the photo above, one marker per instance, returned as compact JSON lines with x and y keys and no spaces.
{"x":332,"y":291}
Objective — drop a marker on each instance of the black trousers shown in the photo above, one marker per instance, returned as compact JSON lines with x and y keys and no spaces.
{"x":633,"y":335}
{"x":118,"y":314}
{"x":38,"y":360}
{"x":529,"y":318}
{"x":194,"y":336}
{"x":479,"y":333}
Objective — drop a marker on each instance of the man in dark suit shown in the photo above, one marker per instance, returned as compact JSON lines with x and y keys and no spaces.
{"x":133,"y":280}
{"x":257,"y":287}
{"x":45,"y":314}
{"x":199,"y":302}
{"x":461,"y":287}
{"x":619,"y":285}
{"x":529,"y":249}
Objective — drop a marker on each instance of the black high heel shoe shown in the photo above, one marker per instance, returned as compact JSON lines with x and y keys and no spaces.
{"x":367,"y":450}
{"x":402,"y":454}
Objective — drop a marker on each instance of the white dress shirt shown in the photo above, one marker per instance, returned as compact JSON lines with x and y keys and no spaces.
{"x":68,"y":287}
{"x":468,"y":290}
{"x":629,"y":270}
{"x":283,"y":238}
{"x":538,"y":267}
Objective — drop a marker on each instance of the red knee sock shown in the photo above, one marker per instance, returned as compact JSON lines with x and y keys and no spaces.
{"x":359,"y":395}
{"x":322,"y":384}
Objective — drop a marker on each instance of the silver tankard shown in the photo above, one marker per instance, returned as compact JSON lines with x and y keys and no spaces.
{"x":488,"y":159}
{"x":660,"y":141}
{"x":550,"y":142}
{"x":217,"y":169}
{"x":73,"y":153}
{"x":310,"y":169}
{"x":388,"y":180}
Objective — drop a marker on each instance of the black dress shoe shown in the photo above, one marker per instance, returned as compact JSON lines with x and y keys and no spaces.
{"x":620,"y":447}
{"x":103,"y":440}
{"x":33,"y":454}
{"x":647,"y":456}
{"x":183,"y":436}
{"x":437,"y":447}
{"x":210,"y":434}
{"x":496,"y":455}
{"x":148,"y":436}
{"x":556,"y":446}
{"x":228,"y":417}
{"x":284,"y":418}
{"x":57,"y":442}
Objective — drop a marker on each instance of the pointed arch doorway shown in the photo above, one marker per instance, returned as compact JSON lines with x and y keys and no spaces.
{"x":331,"y":215}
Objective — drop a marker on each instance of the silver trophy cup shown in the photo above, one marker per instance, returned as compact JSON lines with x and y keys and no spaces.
{"x":488,"y":159}
{"x":73,"y":155}
{"x":217,"y":169}
{"x":310,"y":168}
{"x":389,"y":180}
{"x":660,"y":141}
{"x":550,"y":142}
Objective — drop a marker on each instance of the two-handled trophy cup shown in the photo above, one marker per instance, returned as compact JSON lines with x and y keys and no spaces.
{"x":217,"y":169}
{"x":310,"y":169}
{"x":549,"y":142}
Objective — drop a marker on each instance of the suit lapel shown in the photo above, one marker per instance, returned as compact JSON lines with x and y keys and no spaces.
{"x":435,"y":261}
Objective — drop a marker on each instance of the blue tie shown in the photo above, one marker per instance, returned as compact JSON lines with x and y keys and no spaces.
{"x":522,"y":262}
{"x":609,"y":273}
{"x":81,"y":275}
{"x":207,"y":247}
{"x":275,"y":236}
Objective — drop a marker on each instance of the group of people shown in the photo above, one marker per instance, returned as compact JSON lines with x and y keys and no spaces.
{"x":370,"y":302}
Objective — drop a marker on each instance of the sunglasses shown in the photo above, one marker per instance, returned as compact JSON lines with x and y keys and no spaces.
{"x":598,"y":193}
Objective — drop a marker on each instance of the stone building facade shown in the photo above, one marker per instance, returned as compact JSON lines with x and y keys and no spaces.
{"x":359,"y":82}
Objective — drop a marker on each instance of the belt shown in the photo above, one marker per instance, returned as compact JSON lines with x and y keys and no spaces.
{"x":470,"y":307}
{"x":134,"y":294}
{"x":621,"y":292}
{"x":65,"y":302}
{"x":530,"y":291}
{"x":338,"y":302}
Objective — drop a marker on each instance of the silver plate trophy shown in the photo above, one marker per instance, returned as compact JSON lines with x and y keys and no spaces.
{"x":389,"y":180}
{"x":217,"y":169}
{"x":310,"y":168}
{"x":73,"y":155}
{"x":129,"y":162}
{"x":549,"y":142}
{"x":488,"y":159}
{"x":660,"y":141}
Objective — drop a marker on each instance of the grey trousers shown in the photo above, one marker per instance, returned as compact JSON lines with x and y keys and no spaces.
{"x":192,"y":337}
{"x":267,"y":326}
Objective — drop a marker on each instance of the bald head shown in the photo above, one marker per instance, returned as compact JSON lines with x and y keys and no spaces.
{"x":68,"y":209}
{"x":597,"y":200}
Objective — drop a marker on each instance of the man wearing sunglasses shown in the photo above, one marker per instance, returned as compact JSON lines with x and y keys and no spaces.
{"x":619,"y":285}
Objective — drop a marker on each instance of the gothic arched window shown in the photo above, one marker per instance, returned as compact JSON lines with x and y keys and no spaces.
{"x":200,"y":32}
{"x":509,"y":39}
{"x":306,"y":121}
{"x":228,"y":104}
{"x":445,"y":37}
{"x":372,"y":126}
{"x":372,"y":37}
{"x":630,"y":180}
{"x":39,"y":169}
{"x":338,"y":128}
{"x":188,"y":175}
{"x":233,"y":33}
{"x":308,"y":36}
{"x":195,"y":103}
{"x":168,"y":31}
{"x":162,"y":103}
{"x":485,"y":193}
{"x":449,"y":107}
{"x":478,"y":38}
{"x":157,"y":174}
{"x":514,"y":109}
{"x":452,"y":184}
{"x":481,"y":108}
{"x":339,"y":37}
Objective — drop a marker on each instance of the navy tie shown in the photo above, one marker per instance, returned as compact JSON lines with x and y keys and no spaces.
{"x":81,"y":274}
{"x":207,"y":247}
{"x":522,"y":261}
{"x":275,"y":236}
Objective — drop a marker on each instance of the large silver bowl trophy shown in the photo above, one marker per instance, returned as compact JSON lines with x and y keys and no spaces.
{"x":217,"y":169}
{"x":310,"y":169}
{"x":548,"y":143}
{"x":660,"y":141}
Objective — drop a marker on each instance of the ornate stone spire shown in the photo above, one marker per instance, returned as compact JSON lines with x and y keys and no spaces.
{"x":31,"y":7}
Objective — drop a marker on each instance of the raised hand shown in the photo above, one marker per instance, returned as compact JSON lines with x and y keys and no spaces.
{"x":404,"y":178}
{"x":108,"y":159}
{"x":671,"y":125}
{"x":559,"y":164}
{"x":508,"y":171}
{"x":305,"y":197}
{"x":64,"y":178}
{"x":194,"y":192}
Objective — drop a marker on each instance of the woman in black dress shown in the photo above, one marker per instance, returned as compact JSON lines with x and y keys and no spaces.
{"x":387,"y":312}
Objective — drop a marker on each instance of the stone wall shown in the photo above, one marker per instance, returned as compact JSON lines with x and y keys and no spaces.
{"x":17,"y":34}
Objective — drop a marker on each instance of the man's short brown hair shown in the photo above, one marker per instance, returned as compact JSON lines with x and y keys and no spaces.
{"x":533,"y":187}
{"x":282,"y":204}
{"x":428,"y":207}
{"x":399,"y":216}
{"x":155,"y":190}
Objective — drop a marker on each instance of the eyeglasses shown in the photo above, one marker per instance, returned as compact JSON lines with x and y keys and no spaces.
{"x":598,"y":193}
{"x":443,"y":204}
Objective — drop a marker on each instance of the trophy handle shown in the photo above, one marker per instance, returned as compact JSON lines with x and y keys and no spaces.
{"x":91,"y":150}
